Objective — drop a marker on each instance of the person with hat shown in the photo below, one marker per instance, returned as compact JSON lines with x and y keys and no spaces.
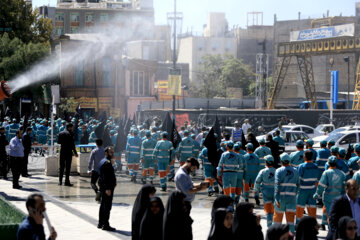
{"x":197,"y":147}
{"x":13,"y":127}
{"x":185,"y":149}
{"x":308,"y":172}
{"x":66,"y":140}
{"x":330,"y":143}
{"x":41,"y":133}
{"x":331,"y":184}
{"x":155,"y":134}
{"x":146,"y":157}
{"x":309,"y":145}
{"x":229,"y":165}
{"x":340,"y":163}
{"x":297,"y":157}
{"x":236,"y":132}
{"x":353,"y":161}
{"x":277,"y":138}
{"x":322,"y":156}
{"x":264,"y":182}
{"x":133,"y":146}
{"x":252,"y":163}
{"x":261,"y":152}
{"x":286,"y":186}
{"x":163,"y":155}
{"x":241,"y":171}
{"x":63,"y":126}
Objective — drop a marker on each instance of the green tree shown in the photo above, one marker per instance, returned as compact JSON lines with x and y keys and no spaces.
{"x":24,"y":22}
{"x":217,"y":73}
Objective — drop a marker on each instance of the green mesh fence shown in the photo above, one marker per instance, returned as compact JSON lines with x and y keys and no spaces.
{"x":10,"y":219}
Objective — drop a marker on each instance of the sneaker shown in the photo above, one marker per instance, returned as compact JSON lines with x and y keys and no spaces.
{"x":108,"y":228}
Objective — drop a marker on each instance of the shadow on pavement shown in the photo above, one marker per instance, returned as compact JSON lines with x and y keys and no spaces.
{"x":11,"y":198}
{"x":126,"y":233}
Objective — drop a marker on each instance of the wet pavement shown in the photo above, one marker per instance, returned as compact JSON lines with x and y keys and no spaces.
{"x":74,"y":212}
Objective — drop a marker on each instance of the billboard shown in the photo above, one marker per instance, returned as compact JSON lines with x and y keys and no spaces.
{"x":174,"y":85}
{"x":324,"y":32}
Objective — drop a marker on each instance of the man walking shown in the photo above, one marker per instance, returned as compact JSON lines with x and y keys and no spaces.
{"x":308,"y":178}
{"x":27,"y":149}
{"x":107,"y":183}
{"x":261,"y":152}
{"x":286,"y":185}
{"x":66,"y":140}
{"x":297,"y":158}
{"x":3,"y":155}
{"x":252,"y":169}
{"x":133,"y":154}
{"x":236,"y":132}
{"x":163,"y":154}
{"x":146,"y":157}
{"x":96,"y":156}
{"x":185,"y":149}
{"x":16,"y":157}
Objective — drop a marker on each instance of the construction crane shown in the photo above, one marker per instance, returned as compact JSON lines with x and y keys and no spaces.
{"x":303,"y":51}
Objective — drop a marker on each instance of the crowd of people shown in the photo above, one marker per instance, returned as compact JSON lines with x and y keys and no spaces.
{"x":246,"y":167}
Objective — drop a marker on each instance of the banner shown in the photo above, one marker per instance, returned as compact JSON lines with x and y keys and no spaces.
{"x":115,"y":112}
{"x":174,"y":85}
{"x":321,"y":33}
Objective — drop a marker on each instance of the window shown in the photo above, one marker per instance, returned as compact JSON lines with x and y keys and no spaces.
{"x":89,"y":22}
{"x":104,"y":17}
{"x":140,"y":84}
{"x":348,"y":139}
{"x":79,"y":73}
{"x":106,"y":73}
{"x":297,"y":129}
{"x":59,"y":31}
{"x":59,"y":17}
{"x":147,"y":84}
{"x":74,"y":29}
{"x":308,"y":130}
{"x":74,"y":17}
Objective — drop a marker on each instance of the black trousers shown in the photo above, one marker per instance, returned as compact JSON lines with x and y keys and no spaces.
{"x":188,"y":207}
{"x":16,"y":165}
{"x":24,"y":169}
{"x":3,"y":164}
{"x":94,"y":179}
{"x":65,"y":164}
{"x":105,"y":208}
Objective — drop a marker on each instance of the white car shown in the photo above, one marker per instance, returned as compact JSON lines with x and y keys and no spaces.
{"x":325,"y":128}
{"x":343,"y":138}
{"x":291,"y":137}
{"x":340,"y":129}
{"x":310,"y":132}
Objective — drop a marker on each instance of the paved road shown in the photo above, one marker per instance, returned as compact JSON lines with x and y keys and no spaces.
{"x":74,"y":212}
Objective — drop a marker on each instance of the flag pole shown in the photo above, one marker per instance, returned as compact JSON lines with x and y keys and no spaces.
{"x":52,"y":126}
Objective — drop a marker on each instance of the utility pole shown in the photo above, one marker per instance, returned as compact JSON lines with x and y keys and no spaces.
{"x":347,"y":60}
{"x":174,"y":56}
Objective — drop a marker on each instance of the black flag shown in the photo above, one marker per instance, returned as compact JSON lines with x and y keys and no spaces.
{"x":175,"y":137}
{"x":99,"y":130}
{"x":167,"y":124}
{"x":348,"y":153}
{"x":106,"y":137}
{"x":210,"y":144}
{"x":127,"y":127}
{"x":216,"y":127}
{"x":120,"y":144}
{"x":134,"y":122}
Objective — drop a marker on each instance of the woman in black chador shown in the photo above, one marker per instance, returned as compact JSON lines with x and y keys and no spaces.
{"x":177,"y":222}
{"x":221,"y":226}
{"x":141,"y":203}
{"x":152,"y":222}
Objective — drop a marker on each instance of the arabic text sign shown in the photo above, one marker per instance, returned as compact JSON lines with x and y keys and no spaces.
{"x":321,"y":33}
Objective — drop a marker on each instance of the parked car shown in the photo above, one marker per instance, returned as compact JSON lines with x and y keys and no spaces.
{"x":325,"y":128}
{"x":310,"y":132}
{"x":340,"y":129}
{"x":291,"y":137}
{"x":343,"y":138}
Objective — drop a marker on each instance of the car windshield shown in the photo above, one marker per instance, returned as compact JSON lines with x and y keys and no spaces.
{"x":336,"y":131}
{"x":318,"y":128}
{"x":285,"y":129}
{"x":334,"y":136}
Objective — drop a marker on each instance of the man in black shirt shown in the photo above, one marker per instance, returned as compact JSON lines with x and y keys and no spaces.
{"x":274,"y":147}
{"x":3,"y":154}
{"x":27,"y":148}
{"x":107,"y":183}
{"x":66,"y":140}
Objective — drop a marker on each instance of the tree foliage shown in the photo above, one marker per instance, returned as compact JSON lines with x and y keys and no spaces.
{"x":218,"y":73}
{"x":24,"y":22}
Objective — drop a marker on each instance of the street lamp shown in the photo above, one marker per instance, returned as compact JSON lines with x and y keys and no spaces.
{"x":347,"y":59}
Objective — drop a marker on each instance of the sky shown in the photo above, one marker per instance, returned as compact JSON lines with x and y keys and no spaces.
{"x":195,"y":11}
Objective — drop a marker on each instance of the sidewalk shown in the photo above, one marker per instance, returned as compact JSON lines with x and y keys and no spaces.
{"x":74,"y":213}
